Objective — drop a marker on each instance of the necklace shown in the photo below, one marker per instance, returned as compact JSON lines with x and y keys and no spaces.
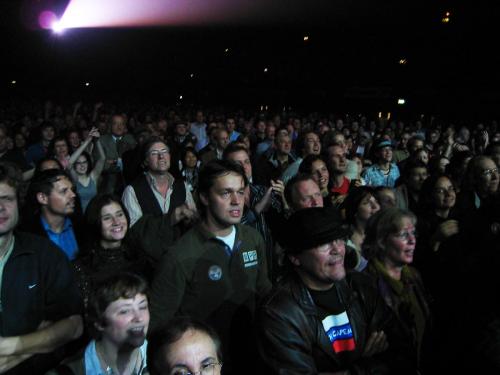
{"x":130,"y":369}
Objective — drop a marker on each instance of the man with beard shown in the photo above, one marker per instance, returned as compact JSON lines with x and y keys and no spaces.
{"x":52,"y":192}
{"x":217,"y":270}
{"x":320,"y":319}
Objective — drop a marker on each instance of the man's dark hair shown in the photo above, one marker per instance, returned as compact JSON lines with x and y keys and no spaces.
{"x":43,"y":160}
{"x":291,"y":185}
{"x":44,"y":181}
{"x":123,"y":285}
{"x":232,"y":148}
{"x":10,"y":175}
{"x":160,"y":341}
{"x":215,"y":169}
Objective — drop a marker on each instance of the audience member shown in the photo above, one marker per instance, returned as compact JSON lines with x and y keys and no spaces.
{"x":40,"y":305}
{"x":185,"y":346}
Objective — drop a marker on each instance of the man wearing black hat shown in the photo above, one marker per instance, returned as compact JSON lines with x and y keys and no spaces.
{"x":320,"y":319}
{"x":384,"y":172}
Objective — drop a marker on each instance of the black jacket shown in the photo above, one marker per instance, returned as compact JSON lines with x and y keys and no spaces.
{"x":292,"y":339}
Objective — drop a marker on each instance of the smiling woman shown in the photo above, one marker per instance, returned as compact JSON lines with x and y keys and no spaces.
{"x":108,"y":253}
{"x":118,"y":317}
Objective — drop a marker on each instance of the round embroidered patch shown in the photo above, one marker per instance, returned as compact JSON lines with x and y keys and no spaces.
{"x":215,"y":273}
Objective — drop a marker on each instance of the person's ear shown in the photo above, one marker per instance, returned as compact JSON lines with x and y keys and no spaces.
{"x":203,"y":199}
{"x":99,"y":326}
{"x":294,"y":260}
{"x":42,"y":198}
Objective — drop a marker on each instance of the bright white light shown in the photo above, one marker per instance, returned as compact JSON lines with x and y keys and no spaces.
{"x":191,"y":75}
{"x":401,"y":101}
{"x":87,"y":84}
{"x":306,"y":38}
{"x":226,"y":50}
{"x":14,"y":82}
{"x":57,"y":27}
{"x":180,"y":97}
{"x":265,"y":70}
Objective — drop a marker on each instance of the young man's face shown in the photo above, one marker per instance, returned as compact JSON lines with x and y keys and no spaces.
{"x":61,"y":200}
{"x":241,"y":157}
{"x":9,"y":214}
{"x":225,"y":200}
{"x":48,"y":133}
{"x":337,"y":160}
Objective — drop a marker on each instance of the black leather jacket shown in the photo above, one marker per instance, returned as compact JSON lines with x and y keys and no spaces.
{"x":292,"y":339}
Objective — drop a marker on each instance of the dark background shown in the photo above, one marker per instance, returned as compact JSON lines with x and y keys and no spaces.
{"x":349,"y":64}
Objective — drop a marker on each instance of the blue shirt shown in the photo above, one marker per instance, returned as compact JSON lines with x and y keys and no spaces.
{"x":65,"y":240}
{"x":93,"y":365}
{"x":374,"y":176}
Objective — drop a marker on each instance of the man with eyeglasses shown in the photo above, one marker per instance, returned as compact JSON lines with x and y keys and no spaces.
{"x":481,"y":186}
{"x":156,"y":192}
{"x":322,"y":319}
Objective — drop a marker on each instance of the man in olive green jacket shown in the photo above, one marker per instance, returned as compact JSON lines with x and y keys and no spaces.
{"x":217,"y":270}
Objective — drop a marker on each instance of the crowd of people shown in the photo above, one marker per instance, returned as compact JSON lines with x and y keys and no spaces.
{"x":175,"y":242}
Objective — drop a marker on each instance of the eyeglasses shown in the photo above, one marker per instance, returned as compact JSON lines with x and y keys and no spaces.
{"x":157,"y":153}
{"x":81,"y":162}
{"x":206,"y":369}
{"x":326,"y":248}
{"x":405,"y":236}
{"x":449,"y":190}
{"x":489,"y":172}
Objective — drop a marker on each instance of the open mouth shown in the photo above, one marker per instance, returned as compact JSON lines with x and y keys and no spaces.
{"x":235,"y":213}
{"x":137,"y":331}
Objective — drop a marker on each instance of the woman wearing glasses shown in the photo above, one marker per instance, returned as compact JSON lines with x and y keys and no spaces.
{"x":185,"y":347}
{"x":390,"y":245}
{"x":84,"y":173}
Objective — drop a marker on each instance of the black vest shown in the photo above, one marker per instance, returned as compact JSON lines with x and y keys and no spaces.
{"x":148,"y":202}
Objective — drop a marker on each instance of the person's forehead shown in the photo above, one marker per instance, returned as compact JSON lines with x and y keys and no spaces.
{"x":307,"y":186}
{"x":443,"y":181}
{"x":318,"y":164}
{"x":158,"y":146}
{"x":238,"y":155}
{"x":229,"y":180}
{"x":139,"y":297}
{"x":486,"y":164}
{"x":335,"y":150}
{"x":62,"y":182}
{"x":311,"y":136}
{"x":6,"y":189}
{"x":181,"y":351}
